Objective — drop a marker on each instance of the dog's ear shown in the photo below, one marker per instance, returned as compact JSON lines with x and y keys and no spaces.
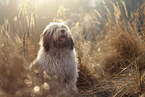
{"x":46,"y":36}
{"x":71,"y":43}
{"x":46,"y":42}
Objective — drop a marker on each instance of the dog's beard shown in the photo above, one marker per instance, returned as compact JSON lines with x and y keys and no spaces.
{"x":61,"y":39}
{"x":61,"y":42}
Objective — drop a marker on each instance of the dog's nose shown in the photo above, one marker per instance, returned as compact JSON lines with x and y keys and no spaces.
{"x":63,"y":31}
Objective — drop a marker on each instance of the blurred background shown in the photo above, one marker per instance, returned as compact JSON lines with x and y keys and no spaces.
{"x":109,"y":38}
{"x":45,"y":11}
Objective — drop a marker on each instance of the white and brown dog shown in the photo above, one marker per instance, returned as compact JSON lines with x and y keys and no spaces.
{"x":57,"y":56}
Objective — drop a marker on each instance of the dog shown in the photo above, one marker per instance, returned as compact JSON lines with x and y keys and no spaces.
{"x":57,"y":55}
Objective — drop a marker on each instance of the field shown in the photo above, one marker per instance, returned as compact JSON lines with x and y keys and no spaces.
{"x":110,"y":46}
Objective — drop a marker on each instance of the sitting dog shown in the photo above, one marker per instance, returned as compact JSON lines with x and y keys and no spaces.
{"x":57,"y":56}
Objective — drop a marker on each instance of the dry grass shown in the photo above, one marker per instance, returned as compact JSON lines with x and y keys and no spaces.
{"x":122,"y":57}
{"x":120,"y":49}
{"x":111,"y":64}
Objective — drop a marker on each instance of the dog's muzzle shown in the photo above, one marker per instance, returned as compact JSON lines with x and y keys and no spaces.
{"x":62,"y":34}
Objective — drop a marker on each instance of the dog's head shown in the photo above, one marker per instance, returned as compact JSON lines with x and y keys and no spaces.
{"x":56,"y":35}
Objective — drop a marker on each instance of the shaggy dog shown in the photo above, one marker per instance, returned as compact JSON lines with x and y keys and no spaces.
{"x":57,"y":55}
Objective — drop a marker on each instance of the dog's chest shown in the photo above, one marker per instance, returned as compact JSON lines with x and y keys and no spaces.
{"x":59,"y":63}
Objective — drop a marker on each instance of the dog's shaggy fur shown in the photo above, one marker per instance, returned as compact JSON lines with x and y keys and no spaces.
{"x":57,"y":55}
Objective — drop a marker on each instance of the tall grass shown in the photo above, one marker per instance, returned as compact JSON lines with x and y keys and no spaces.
{"x":117,"y":61}
{"x":111,"y":61}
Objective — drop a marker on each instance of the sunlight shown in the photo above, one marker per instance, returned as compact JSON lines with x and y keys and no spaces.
{"x":41,"y":1}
